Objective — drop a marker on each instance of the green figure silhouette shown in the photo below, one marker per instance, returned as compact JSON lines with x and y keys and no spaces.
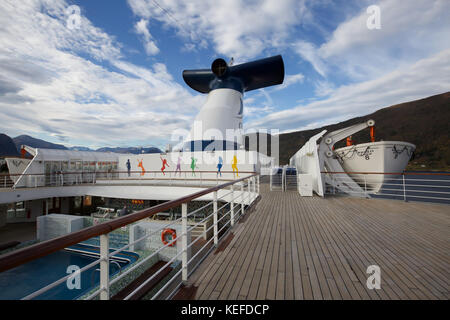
{"x":193,"y":165}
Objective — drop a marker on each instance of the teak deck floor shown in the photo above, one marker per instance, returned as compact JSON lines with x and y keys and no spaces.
{"x":312,"y":248}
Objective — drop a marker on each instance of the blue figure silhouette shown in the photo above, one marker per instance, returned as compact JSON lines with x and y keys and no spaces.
{"x":219,"y":166}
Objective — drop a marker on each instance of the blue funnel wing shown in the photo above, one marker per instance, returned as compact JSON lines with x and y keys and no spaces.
{"x":260,"y":73}
{"x":199,"y":80}
{"x":249,"y":76}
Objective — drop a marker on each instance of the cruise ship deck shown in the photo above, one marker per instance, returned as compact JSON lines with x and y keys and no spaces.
{"x":292,"y":247}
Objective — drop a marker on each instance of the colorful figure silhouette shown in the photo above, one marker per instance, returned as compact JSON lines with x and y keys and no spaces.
{"x":140,"y":165}
{"x":164,"y":164}
{"x":178,"y":166}
{"x":128,"y":167}
{"x":234,"y":165}
{"x":193,"y":165}
{"x":219,"y":166}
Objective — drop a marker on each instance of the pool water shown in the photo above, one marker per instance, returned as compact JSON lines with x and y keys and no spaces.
{"x":32,"y":276}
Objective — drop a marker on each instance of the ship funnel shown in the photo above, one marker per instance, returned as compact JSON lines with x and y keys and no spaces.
{"x":242,"y":77}
{"x":220,"y":68}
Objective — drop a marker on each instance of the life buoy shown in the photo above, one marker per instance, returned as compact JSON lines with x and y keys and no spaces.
{"x":172,"y":232}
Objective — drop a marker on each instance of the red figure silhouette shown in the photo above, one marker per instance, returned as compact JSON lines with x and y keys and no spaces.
{"x":141,"y":166}
{"x":164,"y":164}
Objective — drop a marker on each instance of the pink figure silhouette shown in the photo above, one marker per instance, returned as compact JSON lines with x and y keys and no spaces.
{"x":164,"y":164}
{"x":141,"y":166}
{"x":178,"y":169}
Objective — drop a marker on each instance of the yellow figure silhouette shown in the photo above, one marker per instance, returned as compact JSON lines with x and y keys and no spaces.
{"x":234,"y":165}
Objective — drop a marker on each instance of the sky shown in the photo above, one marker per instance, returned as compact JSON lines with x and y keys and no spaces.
{"x":100,"y":73}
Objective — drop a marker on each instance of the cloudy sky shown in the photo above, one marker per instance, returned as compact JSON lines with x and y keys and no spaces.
{"x":108,"y":73}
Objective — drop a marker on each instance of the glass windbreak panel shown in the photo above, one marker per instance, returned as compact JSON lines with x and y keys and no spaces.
{"x":48,"y":170}
{"x":56,"y":166}
{"x":50,"y":203}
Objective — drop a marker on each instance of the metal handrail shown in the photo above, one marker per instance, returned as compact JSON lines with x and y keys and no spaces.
{"x":393,"y":173}
{"x":21,"y":256}
{"x":408,"y":185}
{"x":111,"y":172}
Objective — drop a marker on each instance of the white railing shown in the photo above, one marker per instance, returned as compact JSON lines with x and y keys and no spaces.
{"x":224,"y":218}
{"x":59,"y":179}
{"x":407,"y":186}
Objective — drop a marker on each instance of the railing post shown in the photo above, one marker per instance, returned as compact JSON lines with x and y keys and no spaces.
{"x":254,"y":188}
{"x":258,"y":186}
{"x":104,"y":267}
{"x":404,"y":187}
{"x":249,"y":191}
{"x":232,"y":206}
{"x":216,"y":235}
{"x":242,"y":199}
{"x":365,"y":186}
{"x":184,"y":244}
{"x":270,"y":184}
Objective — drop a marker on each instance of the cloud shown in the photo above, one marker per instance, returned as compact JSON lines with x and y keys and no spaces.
{"x":423,"y":78}
{"x":323,"y":88}
{"x":290,"y":79}
{"x":410,"y":31}
{"x":141,"y":27}
{"x":236,"y":28}
{"x":51,"y":72}
{"x":309,"y":53}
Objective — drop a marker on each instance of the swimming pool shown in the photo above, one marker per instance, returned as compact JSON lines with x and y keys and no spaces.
{"x":32,"y":276}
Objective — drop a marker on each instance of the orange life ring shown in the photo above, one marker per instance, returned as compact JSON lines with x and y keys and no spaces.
{"x":172,"y":232}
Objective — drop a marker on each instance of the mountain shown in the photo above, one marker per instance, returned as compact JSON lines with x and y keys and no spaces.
{"x":132,"y":150}
{"x":79,"y":148}
{"x":423,"y":122}
{"x":11,"y":147}
{"x":36,"y":143}
{"x":7,"y":146}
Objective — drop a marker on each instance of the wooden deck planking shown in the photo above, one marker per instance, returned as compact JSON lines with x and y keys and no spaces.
{"x":249,"y":277}
{"x":404,"y":263}
{"x":312,"y":248}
